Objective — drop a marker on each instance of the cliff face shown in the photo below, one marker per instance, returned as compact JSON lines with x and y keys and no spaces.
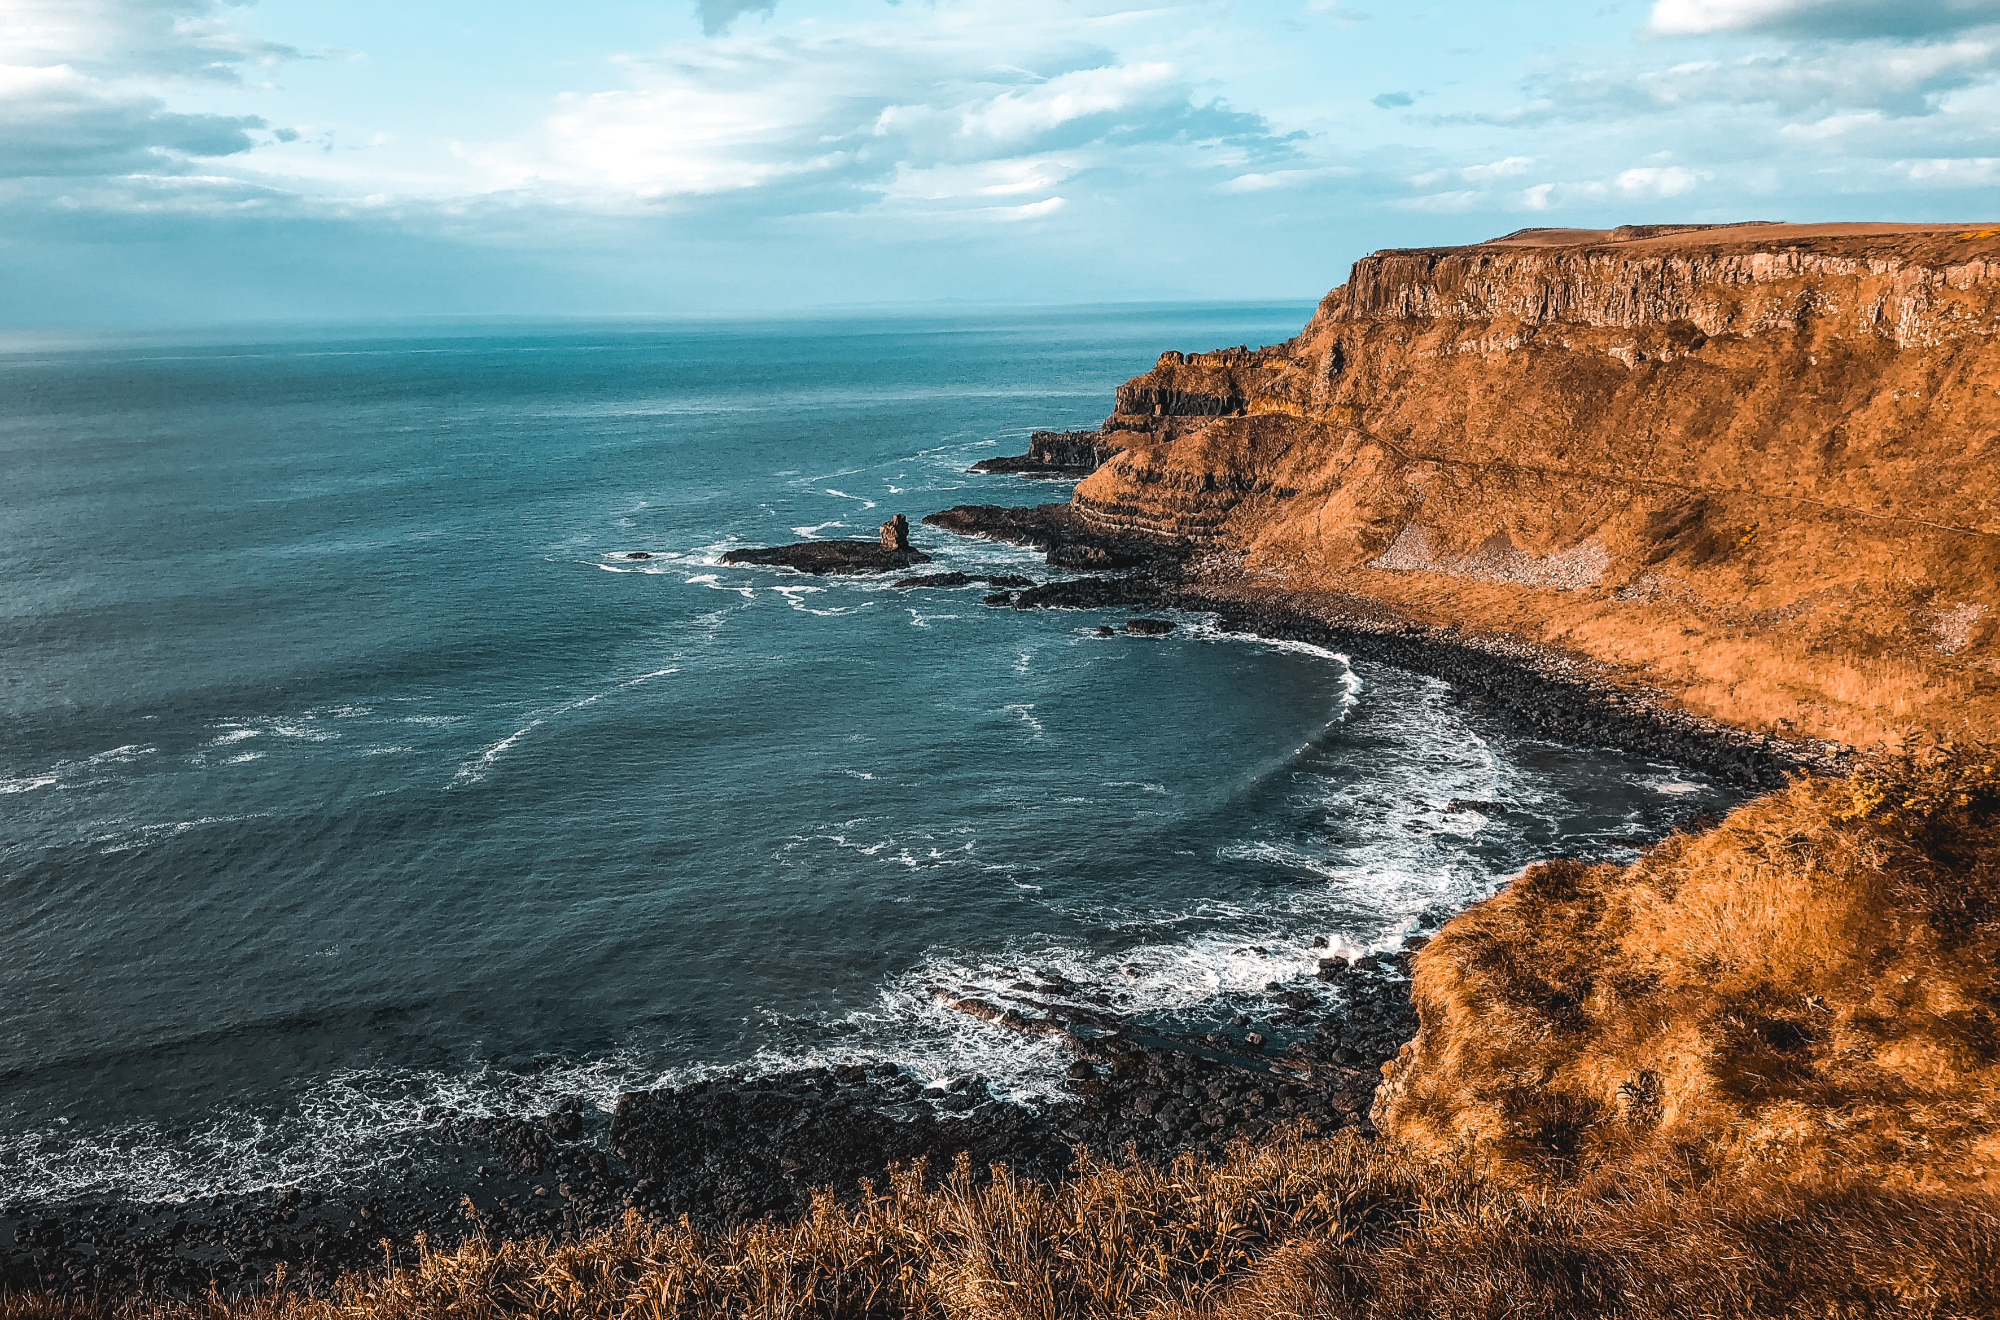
{"x":1756,"y":466}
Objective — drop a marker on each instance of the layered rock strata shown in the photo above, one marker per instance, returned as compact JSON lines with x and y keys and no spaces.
{"x":1757,"y":467}
{"x":1055,"y":454}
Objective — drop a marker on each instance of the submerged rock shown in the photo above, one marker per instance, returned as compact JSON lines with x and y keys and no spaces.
{"x":1149,"y":627}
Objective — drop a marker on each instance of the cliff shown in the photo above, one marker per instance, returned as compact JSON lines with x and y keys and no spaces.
{"x":1754,"y":467}
{"x":1755,"y":470}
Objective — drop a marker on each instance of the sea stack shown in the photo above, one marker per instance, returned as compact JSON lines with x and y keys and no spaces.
{"x":896,"y":533}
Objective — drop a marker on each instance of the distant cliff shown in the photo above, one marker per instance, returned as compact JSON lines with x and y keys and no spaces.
{"x":1757,"y":467}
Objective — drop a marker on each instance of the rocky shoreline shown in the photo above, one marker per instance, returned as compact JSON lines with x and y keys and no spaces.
{"x":1553,"y":694}
{"x":744,"y":1146}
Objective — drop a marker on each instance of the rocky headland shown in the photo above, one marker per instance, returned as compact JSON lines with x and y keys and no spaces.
{"x":1724,"y":494}
{"x":1731,"y":494}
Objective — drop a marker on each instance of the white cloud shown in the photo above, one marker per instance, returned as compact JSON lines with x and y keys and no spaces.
{"x":949,"y":106}
{"x":79,"y":92}
{"x":991,"y":178}
{"x":1658,"y":181}
{"x":1965,"y":172}
{"x":1022,"y":116}
{"x":1036,"y":210}
{"x":1499,"y":169}
{"x":1444,"y":202}
{"x":1812,"y":81}
{"x":1822,"y":18}
{"x":133,"y":38}
{"x":1274,"y":179}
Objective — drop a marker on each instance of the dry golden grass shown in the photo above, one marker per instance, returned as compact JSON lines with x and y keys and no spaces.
{"x":1302,"y":1226}
{"x":1810,"y":986}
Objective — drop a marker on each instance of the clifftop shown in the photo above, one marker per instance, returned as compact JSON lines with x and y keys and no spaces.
{"x":1728,"y":279}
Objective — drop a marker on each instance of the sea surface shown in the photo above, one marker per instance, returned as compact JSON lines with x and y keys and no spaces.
{"x":351,"y":766}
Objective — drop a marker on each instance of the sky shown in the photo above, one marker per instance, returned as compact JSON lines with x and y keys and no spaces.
{"x":203,"y":161}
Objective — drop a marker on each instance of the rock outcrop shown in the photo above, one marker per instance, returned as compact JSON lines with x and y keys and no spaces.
{"x":1055,"y":454}
{"x":1757,"y":467}
{"x":835,"y":558}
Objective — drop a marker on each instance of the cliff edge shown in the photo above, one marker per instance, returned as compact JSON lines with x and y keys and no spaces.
{"x":1756,"y":467}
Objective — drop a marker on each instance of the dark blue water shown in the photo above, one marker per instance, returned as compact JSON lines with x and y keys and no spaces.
{"x":348,"y":764}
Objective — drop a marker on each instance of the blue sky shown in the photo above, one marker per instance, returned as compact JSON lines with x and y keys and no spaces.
{"x":169,"y":161}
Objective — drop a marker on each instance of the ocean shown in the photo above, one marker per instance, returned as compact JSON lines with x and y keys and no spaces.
{"x":352,"y":768}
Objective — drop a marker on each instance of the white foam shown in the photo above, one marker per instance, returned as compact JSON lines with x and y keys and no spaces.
{"x":796,"y":598}
{"x":1025,"y":710}
{"x":145,"y":835}
{"x":351,"y":1125}
{"x":474,"y":769}
{"x":1672,"y":786}
{"x":76,"y":774}
{"x":810,"y":533}
{"x":29,"y":783}
{"x":714,"y":582}
{"x":866,"y":503}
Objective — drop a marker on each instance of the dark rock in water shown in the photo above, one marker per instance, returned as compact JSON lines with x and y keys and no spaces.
{"x":896,"y":533}
{"x":1039,"y":526}
{"x":1106,"y":630}
{"x":1091,"y":593}
{"x":831,"y":557}
{"x":1059,"y":530}
{"x":997,"y":598}
{"x":638,"y":554}
{"x":1053,"y":454}
{"x":964,"y":580}
{"x":1149,"y":627}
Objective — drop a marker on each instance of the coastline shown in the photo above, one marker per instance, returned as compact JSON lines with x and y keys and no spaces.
{"x":766,"y":1141}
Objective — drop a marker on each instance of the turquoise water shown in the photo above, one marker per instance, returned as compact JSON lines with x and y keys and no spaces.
{"x":349,"y":765}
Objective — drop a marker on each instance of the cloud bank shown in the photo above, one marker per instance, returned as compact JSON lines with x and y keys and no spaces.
{"x":845,"y":150}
